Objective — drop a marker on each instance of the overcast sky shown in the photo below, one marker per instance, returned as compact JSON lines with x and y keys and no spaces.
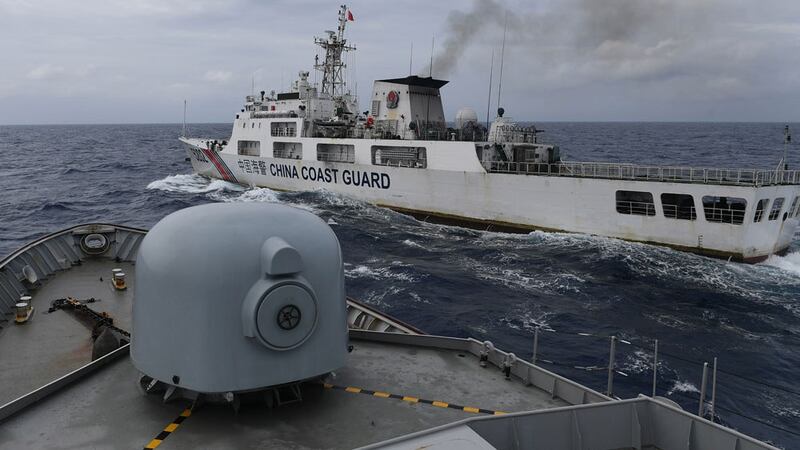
{"x":135,"y":61}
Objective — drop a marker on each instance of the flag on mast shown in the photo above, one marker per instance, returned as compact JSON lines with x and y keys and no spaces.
{"x":350,"y":16}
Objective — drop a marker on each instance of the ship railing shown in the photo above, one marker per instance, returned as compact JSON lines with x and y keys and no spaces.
{"x":724,"y":215}
{"x":679,"y":212}
{"x":739,"y":177}
{"x":636,"y":208}
{"x":419,"y":163}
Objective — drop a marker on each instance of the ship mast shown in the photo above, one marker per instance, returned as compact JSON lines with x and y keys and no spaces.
{"x":333,"y":83}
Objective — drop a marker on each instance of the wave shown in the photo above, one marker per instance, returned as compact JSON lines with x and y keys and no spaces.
{"x":395,"y":272}
{"x":410,"y":243}
{"x":252,"y":195}
{"x":193,"y":184}
{"x":526,"y":319}
{"x":682,"y":386}
{"x":789,"y":263}
{"x":519,"y":279}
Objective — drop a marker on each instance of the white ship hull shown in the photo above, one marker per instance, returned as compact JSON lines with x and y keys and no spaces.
{"x":515,"y":202}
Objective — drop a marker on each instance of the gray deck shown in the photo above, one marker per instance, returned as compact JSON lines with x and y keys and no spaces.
{"x":51,"y":345}
{"x":107,"y":409}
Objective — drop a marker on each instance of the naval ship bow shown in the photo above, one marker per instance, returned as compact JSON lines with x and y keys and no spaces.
{"x":402,"y":154}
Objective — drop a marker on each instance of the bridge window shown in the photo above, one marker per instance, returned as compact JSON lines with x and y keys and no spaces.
{"x":776,"y":208}
{"x":636,"y":203}
{"x":283,"y":129}
{"x":345,"y":153}
{"x":793,"y":209}
{"x":392,"y":155}
{"x":724,"y":209}
{"x":760,"y":207}
{"x":249,"y":148}
{"x":287,"y":150}
{"x":678,"y":206}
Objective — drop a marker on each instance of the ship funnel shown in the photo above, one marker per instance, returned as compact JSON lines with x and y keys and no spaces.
{"x":238,"y":297}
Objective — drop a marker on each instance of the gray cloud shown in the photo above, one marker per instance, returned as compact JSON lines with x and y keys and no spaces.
{"x":135,"y":61}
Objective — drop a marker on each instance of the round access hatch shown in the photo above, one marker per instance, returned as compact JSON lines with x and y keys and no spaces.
{"x":286,"y":316}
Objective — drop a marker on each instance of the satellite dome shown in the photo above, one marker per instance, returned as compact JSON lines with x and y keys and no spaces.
{"x":234,"y":297}
{"x":465,"y":116}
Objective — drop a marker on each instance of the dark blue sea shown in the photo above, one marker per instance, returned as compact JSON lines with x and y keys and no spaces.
{"x":495,"y":286}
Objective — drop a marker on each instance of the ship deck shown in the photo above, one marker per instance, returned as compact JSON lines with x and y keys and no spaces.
{"x":53,"y":344}
{"x":108,"y":410}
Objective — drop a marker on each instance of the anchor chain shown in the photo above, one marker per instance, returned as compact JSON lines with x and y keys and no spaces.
{"x":97,"y":320}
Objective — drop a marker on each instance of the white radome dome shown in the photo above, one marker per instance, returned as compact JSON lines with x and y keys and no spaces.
{"x":465,"y":116}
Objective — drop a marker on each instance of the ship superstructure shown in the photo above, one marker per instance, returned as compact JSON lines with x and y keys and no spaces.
{"x":402,"y":154}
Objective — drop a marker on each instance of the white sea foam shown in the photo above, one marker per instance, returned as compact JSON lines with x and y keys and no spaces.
{"x":637,"y":362}
{"x":377,"y":298}
{"x":521,"y":280}
{"x":394,"y":272}
{"x":261,"y":195}
{"x":789,"y":263}
{"x":193,"y":184}
{"x":682,"y":386}
{"x":416,"y":298}
{"x":410,"y":243}
{"x":526,"y":318}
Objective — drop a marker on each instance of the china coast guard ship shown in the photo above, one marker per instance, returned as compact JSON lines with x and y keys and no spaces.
{"x":401,"y":154}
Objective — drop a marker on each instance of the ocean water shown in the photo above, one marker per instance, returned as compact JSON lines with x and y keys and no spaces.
{"x":446,"y":280}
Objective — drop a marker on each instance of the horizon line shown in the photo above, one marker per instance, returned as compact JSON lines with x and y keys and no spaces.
{"x":525,"y":121}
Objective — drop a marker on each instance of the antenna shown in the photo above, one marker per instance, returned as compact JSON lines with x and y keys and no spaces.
{"x":430,"y":74}
{"x":411,"y":58}
{"x":355,"y":78}
{"x":489,"y":101}
{"x":502,"y":54}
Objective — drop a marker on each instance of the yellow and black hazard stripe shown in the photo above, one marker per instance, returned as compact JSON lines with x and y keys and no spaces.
{"x":169,"y":429}
{"x":409,"y":399}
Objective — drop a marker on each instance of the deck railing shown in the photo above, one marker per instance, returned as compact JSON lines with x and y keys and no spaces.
{"x":738,"y":177}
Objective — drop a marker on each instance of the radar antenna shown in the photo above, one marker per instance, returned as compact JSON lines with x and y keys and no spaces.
{"x":333,"y":82}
